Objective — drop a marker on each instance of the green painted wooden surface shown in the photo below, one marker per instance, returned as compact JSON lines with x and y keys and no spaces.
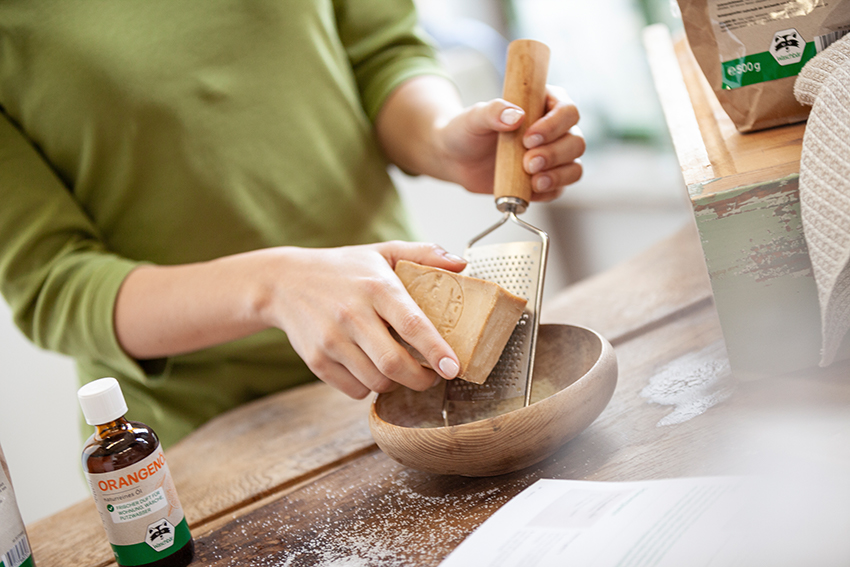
{"x":761,"y":276}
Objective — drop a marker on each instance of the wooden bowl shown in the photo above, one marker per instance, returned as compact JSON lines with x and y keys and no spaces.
{"x":575,"y":373}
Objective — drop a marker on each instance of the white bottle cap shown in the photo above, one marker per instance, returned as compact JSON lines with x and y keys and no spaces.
{"x":102,"y":401}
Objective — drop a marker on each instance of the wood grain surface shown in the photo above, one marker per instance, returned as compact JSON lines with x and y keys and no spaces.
{"x":373,"y":511}
{"x":715,"y":157}
{"x":294,"y":479}
{"x":525,"y":85}
{"x":744,"y":189}
{"x":575,"y":374}
{"x":644,"y":291}
{"x":234,"y":460}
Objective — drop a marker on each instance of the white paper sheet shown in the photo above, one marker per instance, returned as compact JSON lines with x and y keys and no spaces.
{"x":686,"y":522}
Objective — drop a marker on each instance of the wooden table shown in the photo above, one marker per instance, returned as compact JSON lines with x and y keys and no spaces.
{"x":295,"y":479}
{"x":744,"y":189}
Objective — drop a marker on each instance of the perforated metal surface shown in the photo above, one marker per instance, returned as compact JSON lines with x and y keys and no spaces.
{"x":518,"y":267}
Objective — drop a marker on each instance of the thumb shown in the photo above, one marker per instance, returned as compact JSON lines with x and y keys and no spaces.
{"x":421,"y":253}
{"x":496,"y":115}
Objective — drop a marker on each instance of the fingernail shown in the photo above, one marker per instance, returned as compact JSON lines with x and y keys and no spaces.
{"x":452,"y":257}
{"x":536,"y":164}
{"x":544,"y":183}
{"x":449,"y":368}
{"x":437,"y":380}
{"x":533,"y":141}
{"x":510,"y":116}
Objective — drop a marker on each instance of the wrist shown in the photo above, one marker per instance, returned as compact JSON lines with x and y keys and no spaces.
{"x":257,"y":289}
{"x":412,"y":126}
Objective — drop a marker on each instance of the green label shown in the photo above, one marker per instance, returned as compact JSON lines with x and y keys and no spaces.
{"x":764,"y":66}
{"x":162,"y":540}
{"x":28,"y":562}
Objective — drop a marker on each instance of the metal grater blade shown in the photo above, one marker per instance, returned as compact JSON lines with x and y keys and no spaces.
{"x":516,"y":266}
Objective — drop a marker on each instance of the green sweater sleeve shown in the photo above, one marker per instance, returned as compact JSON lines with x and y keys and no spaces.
{"x":55,"y":273}
{"x":101,"y":168}
{"x":385,"y":46}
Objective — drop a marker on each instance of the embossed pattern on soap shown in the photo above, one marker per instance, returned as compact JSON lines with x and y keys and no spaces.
{"x":517,"y":271}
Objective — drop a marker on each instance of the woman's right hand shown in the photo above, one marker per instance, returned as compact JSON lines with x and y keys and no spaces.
{"x":335,"y":304}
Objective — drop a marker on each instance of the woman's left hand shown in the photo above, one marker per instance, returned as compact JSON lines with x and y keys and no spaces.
{"x":554,"y":144}
{"x":423,"y":129}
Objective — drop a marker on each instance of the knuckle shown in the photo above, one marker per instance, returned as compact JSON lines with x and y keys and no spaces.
{"x":412,"y":324}
{"x":345,"y":313}
{"x":480,"y":110}
{"x":389,"y":247}
{"x":433,"y":248}
{"x":390,"y":363}
{"x":317,"y":362}
{"x":358,"y":392}
{"x":424,"y":380}
{"x":327,"y":341}
{"x":568,"y":111}
{"x":581,"y":144}
{"x":320,"y":357}
{"x":383,"y":386}
{"x":375,"y":286}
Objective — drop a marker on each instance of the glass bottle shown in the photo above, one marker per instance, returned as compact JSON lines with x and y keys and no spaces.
{"x":132,"y":487}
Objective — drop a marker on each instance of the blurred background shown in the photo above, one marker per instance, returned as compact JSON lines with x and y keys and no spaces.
{"x":631,"y":196}
{"x":631,"y":193}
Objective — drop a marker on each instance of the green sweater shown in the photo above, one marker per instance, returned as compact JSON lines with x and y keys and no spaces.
{"x":171,"y":132}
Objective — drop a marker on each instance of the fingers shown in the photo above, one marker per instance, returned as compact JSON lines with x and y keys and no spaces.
{"x":554,"y":165}
{"x":357,"y":355}
{"x":560,"y":117}
{"x":496,"y":115}
{"x":384,"y":358}
{"x":422,"y":253}
{"x":408,"y":320}
{"x":402,"y":313}
{"x":554,"y":144}
{"x":338,"y":309}
{"x":358,"y":376}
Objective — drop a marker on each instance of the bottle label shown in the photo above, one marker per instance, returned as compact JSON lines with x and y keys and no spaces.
{"x":140,"y":510}
{"x":14,"y":546}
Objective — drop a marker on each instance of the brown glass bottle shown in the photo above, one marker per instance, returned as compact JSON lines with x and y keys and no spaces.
{"x":119,"y":444}
{"x":125,"y":466}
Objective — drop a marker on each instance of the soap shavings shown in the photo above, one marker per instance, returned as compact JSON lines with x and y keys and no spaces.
{"x":355,"y":528}
{"x":691,"y":384}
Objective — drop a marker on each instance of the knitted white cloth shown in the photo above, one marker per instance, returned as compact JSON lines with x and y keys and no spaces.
{"x":824,"y":83}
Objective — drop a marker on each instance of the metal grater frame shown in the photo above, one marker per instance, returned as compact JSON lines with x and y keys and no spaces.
{"x":518,"y":267}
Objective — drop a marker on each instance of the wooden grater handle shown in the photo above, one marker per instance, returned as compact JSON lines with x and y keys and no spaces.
{"x":525,"y":86}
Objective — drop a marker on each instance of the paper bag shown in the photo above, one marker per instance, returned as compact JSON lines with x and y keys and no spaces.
{"x":752,"y":50}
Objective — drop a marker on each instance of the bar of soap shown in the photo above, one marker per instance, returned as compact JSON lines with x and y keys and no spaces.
{"x":474,"y":316}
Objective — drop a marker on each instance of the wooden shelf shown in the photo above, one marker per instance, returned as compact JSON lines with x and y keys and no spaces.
{"x":713,"y":155}
{"x":744,"y":190}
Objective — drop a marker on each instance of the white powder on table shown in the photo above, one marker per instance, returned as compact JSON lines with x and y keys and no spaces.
{"x":691,"y":384}
{"x":393,"y":529}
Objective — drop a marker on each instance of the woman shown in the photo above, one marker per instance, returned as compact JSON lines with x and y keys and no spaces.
{"x":195,"y":195}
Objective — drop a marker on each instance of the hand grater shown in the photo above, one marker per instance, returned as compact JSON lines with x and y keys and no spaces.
{"x":518,"y":266}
